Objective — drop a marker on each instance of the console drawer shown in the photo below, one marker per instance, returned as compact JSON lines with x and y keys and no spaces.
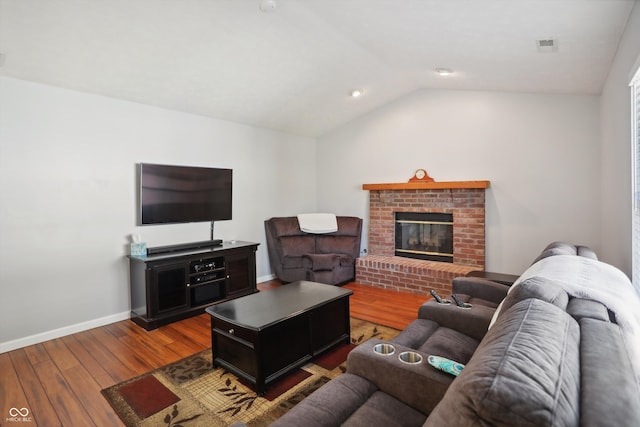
{"x":225,"y":328}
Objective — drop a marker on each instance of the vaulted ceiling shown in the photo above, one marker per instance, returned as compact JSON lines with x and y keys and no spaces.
{"x":290,"y":65}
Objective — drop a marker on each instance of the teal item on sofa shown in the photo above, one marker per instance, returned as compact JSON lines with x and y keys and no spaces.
{"x":446,"y":365}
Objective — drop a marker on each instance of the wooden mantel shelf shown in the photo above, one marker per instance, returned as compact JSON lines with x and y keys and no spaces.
{"x":426,"y":185}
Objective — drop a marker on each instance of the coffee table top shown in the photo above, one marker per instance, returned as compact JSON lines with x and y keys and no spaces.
{"x":260,"y":310}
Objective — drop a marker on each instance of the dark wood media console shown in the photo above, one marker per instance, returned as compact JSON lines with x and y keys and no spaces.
{"x":173,"y":285}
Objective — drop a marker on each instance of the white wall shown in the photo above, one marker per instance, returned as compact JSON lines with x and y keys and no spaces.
{"x":615,"y":121}
{"x":67,"y":199}
{"x":559,"y":168}
{"x":540,"y":152}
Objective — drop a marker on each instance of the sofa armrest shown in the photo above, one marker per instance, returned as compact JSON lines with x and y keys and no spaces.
{"x":480,"y":288}
{"x":473,"y":322}
{"x":420,"y":386}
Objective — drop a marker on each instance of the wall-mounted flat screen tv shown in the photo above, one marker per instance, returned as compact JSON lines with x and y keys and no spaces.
{"x":179,"y":194}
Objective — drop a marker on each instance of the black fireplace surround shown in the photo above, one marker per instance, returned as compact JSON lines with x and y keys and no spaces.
{"x":424,"y":235}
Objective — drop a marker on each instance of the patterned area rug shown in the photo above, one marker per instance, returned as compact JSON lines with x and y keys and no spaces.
{"x":190,"y":393}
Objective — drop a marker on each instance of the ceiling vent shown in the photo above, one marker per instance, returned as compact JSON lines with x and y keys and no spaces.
{"x":547,"y":45}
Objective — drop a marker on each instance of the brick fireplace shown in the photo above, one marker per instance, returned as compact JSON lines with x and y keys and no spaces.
{"x":465,"y":200}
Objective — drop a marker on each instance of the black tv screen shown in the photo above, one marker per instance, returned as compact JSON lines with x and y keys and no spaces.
{"x":178,"y":194}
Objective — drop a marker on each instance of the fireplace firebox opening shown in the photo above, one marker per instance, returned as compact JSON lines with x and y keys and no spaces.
{"x":424,"y":235}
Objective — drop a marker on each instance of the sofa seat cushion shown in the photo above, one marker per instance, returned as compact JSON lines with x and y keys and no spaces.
{"x":292,"y":262}
{"x":429,"y":337}
{"x":322,"y":261}
{"x":472,"y":322}
{"x":525,"y":372}
{"x":416,"y":333}
{"x":450,"y":344}
{"x":483,"y":289}
{"x":330,"y":405}
{"x":384,"y":411}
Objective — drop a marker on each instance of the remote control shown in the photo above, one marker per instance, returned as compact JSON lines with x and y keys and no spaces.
{"x":459,"y":302}
{"x":437,"y":297}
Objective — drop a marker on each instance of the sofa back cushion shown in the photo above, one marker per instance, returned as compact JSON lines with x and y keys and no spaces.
{"x":338,"y":245}
{"x":295,"y":246}
{"x":349,"y":226}
{"x":284,"y":226}
{"x":533,"y":287}
{"x":539,"y":288}
{"x":344,"y":241}
{"x":525,"y":372}
{"x":563,"y":248}
{"x":610,"y":394}
{"x":580,"y":308}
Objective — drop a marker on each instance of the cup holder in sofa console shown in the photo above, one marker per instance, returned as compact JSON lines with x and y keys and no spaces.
{"x":384,"y":349}
{"x":459,"y":302}
{"x":410,"y":357}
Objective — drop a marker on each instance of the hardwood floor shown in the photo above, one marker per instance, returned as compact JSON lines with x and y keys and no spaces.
{"x":59,"y":381}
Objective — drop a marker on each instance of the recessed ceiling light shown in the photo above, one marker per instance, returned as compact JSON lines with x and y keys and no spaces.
{"x":267,"y":6}
{"x":444,"y":71}
{"x":356,"y":93}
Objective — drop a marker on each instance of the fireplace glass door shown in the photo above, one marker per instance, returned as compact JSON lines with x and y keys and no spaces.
{"x":424,"y":235}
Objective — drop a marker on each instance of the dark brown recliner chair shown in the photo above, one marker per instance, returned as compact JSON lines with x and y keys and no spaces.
{"x":325,"y":258}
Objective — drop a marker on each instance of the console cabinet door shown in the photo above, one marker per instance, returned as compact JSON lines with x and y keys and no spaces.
{"x":168,"y":288}
{"x":241,"y":273}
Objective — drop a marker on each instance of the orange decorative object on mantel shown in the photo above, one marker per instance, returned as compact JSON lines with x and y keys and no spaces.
{"x":421,"y":175}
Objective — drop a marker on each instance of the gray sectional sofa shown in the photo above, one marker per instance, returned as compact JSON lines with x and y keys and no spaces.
{"x":558,"y":348}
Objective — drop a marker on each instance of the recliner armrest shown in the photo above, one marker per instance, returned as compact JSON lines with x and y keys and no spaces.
{"x":420,"y":386}
{"x":473,"y":322}
{"x":480,"y":288}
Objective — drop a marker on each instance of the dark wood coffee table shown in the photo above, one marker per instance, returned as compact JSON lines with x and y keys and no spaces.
{"x":262,"y":336}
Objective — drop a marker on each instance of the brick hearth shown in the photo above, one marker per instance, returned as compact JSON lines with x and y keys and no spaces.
{"x":409,"y":275}
{"x":382,"y":269}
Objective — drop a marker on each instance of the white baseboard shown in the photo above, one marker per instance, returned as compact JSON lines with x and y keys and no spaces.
{"x":79,"y":327}
{"x":265,"y":278}
{"x":61,"y":332}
